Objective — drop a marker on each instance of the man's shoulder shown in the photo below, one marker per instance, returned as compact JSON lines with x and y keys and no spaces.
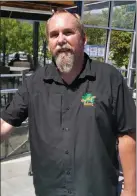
{"x":105,"y":67}
{"x":37,"y":76}
{"x":40,"y":72}
{"x":106,"y":71}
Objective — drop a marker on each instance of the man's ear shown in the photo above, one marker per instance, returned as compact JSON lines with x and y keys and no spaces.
{"x":85,"y":40}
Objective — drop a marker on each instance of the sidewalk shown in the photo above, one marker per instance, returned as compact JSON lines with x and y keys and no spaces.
{"x":14,"y":178}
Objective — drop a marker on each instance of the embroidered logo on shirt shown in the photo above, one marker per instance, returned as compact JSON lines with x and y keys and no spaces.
{"x":88,"y":99}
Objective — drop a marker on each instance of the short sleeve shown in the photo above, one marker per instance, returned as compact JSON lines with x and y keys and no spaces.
{"x":125,"y":109}
{"x":17,"y":110}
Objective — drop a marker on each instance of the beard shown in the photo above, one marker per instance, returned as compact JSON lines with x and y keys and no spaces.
{"x":64,"y":59}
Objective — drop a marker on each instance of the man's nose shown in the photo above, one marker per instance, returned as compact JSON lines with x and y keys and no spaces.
{"x":61,"y":39}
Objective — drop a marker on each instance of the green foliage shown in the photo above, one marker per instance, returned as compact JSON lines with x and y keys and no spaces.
{"x":120,"y":47}
{"x":120,"y":40}
{"x":96,"y":19}
{"x":18,"y":36}
{"x":95,"y":36}
{"x":122,"y":18}
{"x":43,"y":37}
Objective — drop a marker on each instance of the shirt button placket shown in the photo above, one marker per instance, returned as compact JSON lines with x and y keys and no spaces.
{"x":66,"y":129}
{"x":67,"y":152}
{"x":68,"y":178}
{"x":69,"y":191}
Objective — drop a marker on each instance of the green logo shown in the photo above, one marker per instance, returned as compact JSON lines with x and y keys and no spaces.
{"x":88,"y":99}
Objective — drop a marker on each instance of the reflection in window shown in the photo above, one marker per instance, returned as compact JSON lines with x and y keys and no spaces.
{"x":120,"y":44}
{"x":96,"y":41}
{"x":96,"y":14}
{"x":123,"y":14}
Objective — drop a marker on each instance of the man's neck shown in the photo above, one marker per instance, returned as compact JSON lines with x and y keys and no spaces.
{"x":77,"y":68}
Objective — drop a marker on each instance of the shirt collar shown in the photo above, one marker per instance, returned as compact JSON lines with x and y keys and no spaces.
{"x":88,"y":70}
{"x":51,"y":72}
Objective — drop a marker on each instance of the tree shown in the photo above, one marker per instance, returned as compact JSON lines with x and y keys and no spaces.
{"x":121,"y":40}
{"x":120,"y":48}
{"x":122,"y":18}
{"x":43,"y":37}
{"x":18,"y":35}
{"x":95,"y":36}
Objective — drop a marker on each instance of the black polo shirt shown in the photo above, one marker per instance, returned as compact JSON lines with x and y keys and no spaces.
{"x":74,"y":128}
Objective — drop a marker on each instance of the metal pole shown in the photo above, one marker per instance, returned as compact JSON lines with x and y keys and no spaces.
{"x":133,"y":70}
{"x":82,"y":10}
{"x":111,"y":4}
{"x":132,"y":57}
{"x":4,"y":50}
{"x":4,"y":45}
{"x":44,"y":51}
{"x":79,"y":7}
{"x":35,"y":43}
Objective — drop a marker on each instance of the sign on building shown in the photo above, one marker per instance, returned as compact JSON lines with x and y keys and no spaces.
{"x":95,"y":50}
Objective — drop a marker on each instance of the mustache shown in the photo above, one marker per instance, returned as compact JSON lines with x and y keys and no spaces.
{"x":63,"y":48}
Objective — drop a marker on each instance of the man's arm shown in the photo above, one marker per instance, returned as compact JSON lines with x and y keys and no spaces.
{"x":6,"y":129}
{"x":127,"y":153}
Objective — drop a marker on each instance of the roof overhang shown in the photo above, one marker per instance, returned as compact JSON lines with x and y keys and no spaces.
{"x":32,"y":10}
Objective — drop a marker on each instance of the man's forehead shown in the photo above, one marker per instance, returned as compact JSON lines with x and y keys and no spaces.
{"x":57,"y":19}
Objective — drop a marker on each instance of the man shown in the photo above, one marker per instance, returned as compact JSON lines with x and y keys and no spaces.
{"x":80,"y":113}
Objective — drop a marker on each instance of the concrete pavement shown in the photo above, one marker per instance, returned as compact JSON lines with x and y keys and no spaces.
{"x":15,"y":180}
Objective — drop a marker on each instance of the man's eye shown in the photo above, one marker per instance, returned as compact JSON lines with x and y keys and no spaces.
{"x":54,"y":35}
{"x":68,"y":33}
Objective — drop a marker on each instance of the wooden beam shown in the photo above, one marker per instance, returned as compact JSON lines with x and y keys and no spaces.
{"x":26,"y":5}
{"x":37,"y":6}
{"x":66,"y":3}
{"x":24,"y":15}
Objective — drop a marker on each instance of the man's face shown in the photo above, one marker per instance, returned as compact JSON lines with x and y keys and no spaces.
{"x":65,"y":41}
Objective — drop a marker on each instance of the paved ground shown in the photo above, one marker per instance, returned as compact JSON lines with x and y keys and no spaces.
{"x":15,"y":180}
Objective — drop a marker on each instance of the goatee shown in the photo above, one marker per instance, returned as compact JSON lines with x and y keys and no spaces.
{"x":65,"y":61}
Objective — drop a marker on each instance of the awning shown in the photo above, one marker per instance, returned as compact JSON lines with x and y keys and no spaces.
{"x":32,"y":10}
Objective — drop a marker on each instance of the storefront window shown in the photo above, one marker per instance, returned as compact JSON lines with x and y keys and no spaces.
{"x":95,"y":47}
{"x":120,"y":45}
{"x":123,"y":14}
{"x":96,"y":14}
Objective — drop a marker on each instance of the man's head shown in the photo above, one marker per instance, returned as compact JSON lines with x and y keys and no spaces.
{"x":66,"y":39}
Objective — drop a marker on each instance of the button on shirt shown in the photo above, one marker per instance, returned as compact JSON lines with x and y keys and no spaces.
{"x":74,"y":128}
